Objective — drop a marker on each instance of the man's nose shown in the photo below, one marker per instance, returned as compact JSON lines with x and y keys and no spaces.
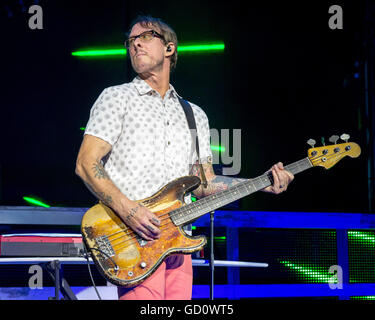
{"x":137,"y":42}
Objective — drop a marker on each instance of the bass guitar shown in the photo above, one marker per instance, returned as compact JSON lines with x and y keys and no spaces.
{"x":125,"y":259}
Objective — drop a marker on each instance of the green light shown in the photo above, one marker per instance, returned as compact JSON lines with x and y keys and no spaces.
{"x":193,"y":199}
{"x":36,"y":202}
{"x":363,"y":298}
{"x":193,"y":227}
{"x":202,"y":47}
{"x":310,"y":273}
{"x":96,"y":53}
{"x":362,"y":236}
{"x":82,"y":128}
{"x":220,"y":238}
{"x":122,"y":52}
{"x":218,"y":148}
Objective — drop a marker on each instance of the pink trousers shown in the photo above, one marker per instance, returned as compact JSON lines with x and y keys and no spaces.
{"x":173,"y":280}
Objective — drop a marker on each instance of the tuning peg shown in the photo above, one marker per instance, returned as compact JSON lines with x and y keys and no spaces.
{"x":311,"y":142}
{"x":345,"y":137}
{"x":323,"y":143}
{"x":333,"y":139}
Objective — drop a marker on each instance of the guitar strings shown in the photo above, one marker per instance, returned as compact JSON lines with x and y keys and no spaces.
{"x":168,"y":215}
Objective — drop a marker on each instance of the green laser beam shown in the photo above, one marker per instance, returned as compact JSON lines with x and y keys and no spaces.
{"x":99,"y":52}
{"x":201,"y":47}
{"x":117,"y":51}
{"x":310,"y":273}
{"x":36,"y":202}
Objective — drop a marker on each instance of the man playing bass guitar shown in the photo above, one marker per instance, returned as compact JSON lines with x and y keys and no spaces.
{"x":137,"y":140}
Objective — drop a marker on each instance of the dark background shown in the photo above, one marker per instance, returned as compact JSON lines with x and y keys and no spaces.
{"x":283,"y":78}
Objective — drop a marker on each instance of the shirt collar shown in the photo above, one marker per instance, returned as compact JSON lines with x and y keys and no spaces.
{"x":143,"y":87}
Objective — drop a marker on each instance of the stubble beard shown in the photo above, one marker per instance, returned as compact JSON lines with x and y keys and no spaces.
{"x":147,"y":67}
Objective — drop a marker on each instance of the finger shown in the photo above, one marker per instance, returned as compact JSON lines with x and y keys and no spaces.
{"x":154,"y":220}
{"x":276,"y":181}
{"x":287,"y":177}
{"x":283,"y":178}
{"x":145,"y":233}
{"x":291,"y":175}
{"x":280,"y":165}
{"x":155,"y":232}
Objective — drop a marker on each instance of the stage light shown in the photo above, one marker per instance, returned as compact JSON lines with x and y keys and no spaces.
{"x":218,"y":148}
{"x":36,"y":202}
{"x":220,"y":238}
{"x":309,"y":273}
{"x":195,"y":48}
{"x":102,"y":52}
{"x":202,"y":47}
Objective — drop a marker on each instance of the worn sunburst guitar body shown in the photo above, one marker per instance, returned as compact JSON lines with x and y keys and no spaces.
{"x":122,"y":256}
{"x":125,"y":259}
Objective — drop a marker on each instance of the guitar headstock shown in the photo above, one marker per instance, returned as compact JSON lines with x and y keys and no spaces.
{"x":328,"y":156}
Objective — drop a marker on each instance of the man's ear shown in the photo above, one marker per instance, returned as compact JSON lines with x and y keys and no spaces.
{"x":170,"y":49}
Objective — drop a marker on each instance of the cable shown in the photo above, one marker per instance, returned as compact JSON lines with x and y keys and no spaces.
{"x":86,"y":255}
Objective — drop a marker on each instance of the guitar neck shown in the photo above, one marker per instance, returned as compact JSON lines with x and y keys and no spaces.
{"x":192,"y":211}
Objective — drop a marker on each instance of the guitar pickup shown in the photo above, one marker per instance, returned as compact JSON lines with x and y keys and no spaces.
{"x":105,"y":246}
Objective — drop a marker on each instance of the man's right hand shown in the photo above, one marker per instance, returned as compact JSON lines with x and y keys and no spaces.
{"x":142,"y":221}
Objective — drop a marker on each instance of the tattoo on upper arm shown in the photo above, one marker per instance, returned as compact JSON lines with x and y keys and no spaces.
{"x":99,"y":171}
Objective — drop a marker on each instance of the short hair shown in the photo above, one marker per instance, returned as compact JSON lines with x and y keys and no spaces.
{"x":164,"y":29}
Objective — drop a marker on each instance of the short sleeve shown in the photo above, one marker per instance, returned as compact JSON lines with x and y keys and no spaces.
{"x":203,"y":130}
{"x":106,"y":116}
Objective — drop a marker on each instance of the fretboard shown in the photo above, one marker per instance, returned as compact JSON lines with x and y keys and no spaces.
{"x":192,"y":211}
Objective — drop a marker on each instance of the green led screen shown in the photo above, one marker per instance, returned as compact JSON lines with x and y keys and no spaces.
{"x":361,"y":256}
{"x":294,"y":255}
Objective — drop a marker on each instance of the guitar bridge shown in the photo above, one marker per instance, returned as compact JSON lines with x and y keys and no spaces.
{"x":105,"y":246}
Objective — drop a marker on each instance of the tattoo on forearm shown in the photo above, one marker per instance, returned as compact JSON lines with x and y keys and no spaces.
{"x":99,"y":171}
{"x":107,"y":199}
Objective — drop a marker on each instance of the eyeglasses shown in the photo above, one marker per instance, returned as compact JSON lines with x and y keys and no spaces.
{"x":144,"y":37}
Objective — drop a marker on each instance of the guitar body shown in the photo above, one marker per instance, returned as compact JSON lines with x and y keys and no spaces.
{"x":124,"y":258}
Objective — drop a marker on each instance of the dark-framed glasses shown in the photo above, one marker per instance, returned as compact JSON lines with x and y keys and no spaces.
{"x":144,"y":37}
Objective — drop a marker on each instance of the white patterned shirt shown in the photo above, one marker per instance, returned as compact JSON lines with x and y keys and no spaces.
{"x":150,"y":138}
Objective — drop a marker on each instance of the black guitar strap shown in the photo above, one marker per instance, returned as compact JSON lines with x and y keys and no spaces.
{"x":192,"y":125}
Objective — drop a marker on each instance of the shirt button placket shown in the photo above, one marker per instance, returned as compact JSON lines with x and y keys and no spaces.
{"x":169,"y":147}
